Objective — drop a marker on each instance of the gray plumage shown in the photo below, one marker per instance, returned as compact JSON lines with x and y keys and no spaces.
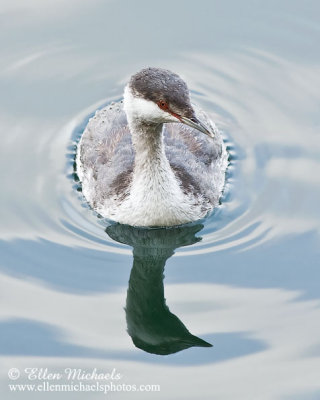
{"x":106,"y":149}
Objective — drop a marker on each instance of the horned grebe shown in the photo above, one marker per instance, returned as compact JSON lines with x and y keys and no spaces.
{"x":137,"y":171}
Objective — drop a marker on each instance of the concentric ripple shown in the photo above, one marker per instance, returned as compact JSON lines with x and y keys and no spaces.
{"x":250,"y":98}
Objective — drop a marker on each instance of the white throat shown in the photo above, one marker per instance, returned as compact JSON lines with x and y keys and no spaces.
{"x":155,"y":195}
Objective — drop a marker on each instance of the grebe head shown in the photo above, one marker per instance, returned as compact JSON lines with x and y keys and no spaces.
{"x":156,"y":96}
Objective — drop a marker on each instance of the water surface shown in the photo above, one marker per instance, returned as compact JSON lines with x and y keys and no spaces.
{"x":249,"y":287}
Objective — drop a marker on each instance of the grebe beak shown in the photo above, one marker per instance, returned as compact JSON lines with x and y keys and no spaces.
{"x":196,"y":124}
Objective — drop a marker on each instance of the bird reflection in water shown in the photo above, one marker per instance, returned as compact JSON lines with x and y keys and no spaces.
{"x":151,"y":325}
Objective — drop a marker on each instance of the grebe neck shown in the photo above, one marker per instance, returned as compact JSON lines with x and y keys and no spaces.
{"x":155,"y":191}
{"x":147,"y":140}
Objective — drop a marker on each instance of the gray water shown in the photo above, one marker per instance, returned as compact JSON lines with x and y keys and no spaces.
{"x":249,"y":286}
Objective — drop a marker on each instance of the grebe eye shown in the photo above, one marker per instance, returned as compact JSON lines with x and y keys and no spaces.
{"x":162,"y":104}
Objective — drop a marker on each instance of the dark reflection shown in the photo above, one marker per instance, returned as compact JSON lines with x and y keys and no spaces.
{"x":150,"y":323}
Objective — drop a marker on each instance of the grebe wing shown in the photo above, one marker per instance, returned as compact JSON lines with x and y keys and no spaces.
{"x":197,"y":160}
{"x":106,"y":154}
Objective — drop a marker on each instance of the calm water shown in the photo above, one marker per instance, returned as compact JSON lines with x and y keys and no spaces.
{"x":71,"y":293}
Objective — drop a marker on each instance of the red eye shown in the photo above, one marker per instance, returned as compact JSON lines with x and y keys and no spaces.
{"x":162,"y":104}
